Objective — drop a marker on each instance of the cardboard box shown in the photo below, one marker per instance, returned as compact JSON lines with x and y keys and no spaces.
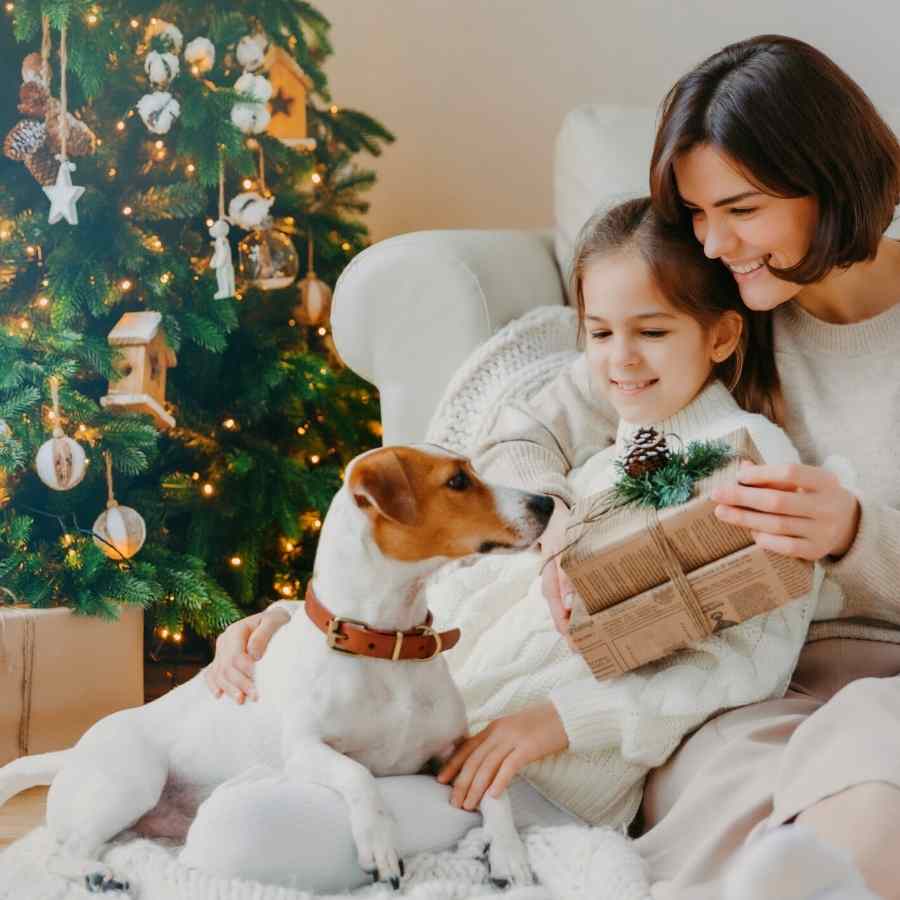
{"x":652,"y":581}
{"x":60,"y":673}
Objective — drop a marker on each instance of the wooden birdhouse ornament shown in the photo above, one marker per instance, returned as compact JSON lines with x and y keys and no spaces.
{"x":142,"y":385}
{"x":290,"y":86}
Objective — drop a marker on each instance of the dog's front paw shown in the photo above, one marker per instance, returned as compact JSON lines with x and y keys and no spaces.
{"x":508,"y":862}
{"x":376,"y":846}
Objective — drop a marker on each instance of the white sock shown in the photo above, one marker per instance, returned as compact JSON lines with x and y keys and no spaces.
{"x":792,"y":863}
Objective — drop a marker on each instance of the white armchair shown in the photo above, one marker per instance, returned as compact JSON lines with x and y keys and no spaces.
{"x":410,"y":310}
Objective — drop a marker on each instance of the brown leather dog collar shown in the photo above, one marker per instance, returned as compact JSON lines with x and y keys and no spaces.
{"x":353,"y":636}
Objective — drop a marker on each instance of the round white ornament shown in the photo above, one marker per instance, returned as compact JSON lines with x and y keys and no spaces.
{"x":201,"y":54}
{"x":120,"y":531}
{"x":250,"y":118}
{"x":5,"y":430}
{"x":61,"y":462}
{"x":158,"y":111}
{"x":161,"y":68}
{"x":256,"y":88}
{"x":251,"y":51}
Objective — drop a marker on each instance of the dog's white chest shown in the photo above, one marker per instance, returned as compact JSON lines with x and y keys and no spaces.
{"x":392,"y":717}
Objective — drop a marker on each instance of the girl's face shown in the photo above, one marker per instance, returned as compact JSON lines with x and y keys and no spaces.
{"x":646,"y":357}
{"x":743,"y":227}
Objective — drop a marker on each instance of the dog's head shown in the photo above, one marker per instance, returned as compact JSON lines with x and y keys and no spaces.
{"x":424,"y":501}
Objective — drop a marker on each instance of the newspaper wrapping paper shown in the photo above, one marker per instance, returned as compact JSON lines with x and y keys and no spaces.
{"x":650,"y":581}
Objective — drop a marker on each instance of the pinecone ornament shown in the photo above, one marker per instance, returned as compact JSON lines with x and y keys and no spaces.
{"x":647,"y":451}
{"x":25,"y":138}
{"x":43,"y":165}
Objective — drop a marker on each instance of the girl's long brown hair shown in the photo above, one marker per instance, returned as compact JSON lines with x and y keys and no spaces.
{"x":693,"y":285}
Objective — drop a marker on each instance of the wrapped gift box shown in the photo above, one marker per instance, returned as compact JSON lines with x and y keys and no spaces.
{"x":60,"y":673}
{"x":652,"y":581}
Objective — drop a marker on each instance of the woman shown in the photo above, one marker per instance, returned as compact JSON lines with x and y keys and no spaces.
{"x":780,"y":166}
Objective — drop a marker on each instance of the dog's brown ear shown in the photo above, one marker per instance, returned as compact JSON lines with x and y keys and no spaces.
{"x":381,"y":481}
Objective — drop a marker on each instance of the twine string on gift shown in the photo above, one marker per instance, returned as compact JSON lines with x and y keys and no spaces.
{"x":6,"y":665}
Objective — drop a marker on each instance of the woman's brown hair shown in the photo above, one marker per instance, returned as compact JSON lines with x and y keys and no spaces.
{"x":692,"y":284}
{"x":797,"y":126}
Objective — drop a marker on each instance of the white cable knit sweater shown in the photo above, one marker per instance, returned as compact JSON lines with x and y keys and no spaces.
{"x":510,"y":655}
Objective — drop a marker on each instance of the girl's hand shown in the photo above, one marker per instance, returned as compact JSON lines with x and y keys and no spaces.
{"x":794,"y":510}
{"x":490,"y":760}
{"x":237,"y":648}
{"x":555,"y":584}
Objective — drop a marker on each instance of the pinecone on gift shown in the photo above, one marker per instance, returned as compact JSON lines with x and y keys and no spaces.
{"x":646,"y":452}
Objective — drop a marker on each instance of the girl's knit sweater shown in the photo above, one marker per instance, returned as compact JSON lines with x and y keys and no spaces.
{"x":510,"y":655}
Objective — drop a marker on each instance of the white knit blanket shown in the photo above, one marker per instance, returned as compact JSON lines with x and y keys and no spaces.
{"x":570,"y":863}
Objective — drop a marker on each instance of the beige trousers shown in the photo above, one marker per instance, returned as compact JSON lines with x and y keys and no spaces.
{"x":760,"y":766}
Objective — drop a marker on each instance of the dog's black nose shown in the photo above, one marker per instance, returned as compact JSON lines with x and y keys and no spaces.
{"x":541,"y":505}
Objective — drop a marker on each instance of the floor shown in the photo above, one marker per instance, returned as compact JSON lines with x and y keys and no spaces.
{"x":26,"y":811}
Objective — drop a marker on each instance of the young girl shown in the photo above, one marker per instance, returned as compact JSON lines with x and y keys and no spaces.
{"x":666,"y":330}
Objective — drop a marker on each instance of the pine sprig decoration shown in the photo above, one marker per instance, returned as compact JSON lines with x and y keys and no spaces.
{"x":673,"y":482}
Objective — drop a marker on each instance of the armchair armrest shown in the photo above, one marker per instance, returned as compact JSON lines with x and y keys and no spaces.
{"x":408,"y":310}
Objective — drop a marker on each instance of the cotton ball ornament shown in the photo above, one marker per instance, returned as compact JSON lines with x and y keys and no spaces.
{"x":169,"y":34}
{"x":161,"y":68}
{"x":251,"y":51}
{"x":257,"y":88}
{"x":158,"y":111}
{"x":200,"y":54}
{"x":250,"y":118}
{"x":249,"y":210}
{"x":5,"y":431}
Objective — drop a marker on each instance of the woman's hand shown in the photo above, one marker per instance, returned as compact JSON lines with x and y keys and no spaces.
{"x":490,"y":760}
{"x":794,"y":510}
{"x":237,"y":648}
{"x":556,"y":586}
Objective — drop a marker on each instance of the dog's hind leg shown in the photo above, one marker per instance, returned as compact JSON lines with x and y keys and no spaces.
{"x":95,"y":797}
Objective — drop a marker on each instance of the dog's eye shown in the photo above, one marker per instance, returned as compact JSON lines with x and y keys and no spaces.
{"x":459,"y":482}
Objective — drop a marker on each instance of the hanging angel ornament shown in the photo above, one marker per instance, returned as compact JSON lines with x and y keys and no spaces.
{"x":221,"y":260}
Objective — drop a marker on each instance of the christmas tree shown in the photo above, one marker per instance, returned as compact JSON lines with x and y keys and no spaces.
{"x":174,"y":419}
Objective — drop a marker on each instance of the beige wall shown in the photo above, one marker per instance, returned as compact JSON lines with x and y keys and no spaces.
{"x":475,"y":90}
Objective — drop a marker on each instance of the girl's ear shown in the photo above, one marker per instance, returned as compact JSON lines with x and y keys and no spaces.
{"x":725,"y":335}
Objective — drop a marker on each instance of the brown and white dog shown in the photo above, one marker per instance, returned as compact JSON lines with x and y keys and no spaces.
{"x":324,"y":715}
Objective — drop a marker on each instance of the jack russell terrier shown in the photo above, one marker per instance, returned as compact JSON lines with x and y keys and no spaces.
{"x":354,"y":689}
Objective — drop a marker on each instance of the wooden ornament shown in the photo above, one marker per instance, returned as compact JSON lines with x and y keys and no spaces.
{"x":119,"y":531}
{"x":61,"y":462}
{"x":314,"y":307}
{"x":287,"y":106}
{"x":142,"y":385}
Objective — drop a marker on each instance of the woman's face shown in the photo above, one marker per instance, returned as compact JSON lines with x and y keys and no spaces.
{"x":743,"y":227}
{"x":649,"y":359}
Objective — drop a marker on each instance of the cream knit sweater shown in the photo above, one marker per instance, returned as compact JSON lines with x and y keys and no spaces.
{"x":510,"y":655}
{"x":842,"y":390}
